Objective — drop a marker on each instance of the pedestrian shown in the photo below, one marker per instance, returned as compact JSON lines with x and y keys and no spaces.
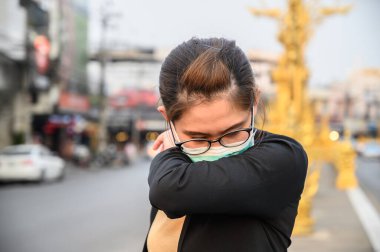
{"x":219,"y":183}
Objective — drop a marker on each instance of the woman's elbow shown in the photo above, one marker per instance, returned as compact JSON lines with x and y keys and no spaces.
{"x":163,"y":198}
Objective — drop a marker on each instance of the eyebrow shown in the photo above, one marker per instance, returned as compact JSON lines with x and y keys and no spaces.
{"x":235,"y":126}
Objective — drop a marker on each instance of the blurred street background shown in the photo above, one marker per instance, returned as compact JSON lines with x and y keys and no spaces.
{"x":78,"y":98}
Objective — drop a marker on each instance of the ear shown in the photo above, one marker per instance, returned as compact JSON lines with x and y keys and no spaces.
{"x":162,"y":110}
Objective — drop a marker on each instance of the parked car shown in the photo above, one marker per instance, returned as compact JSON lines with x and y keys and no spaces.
{"x":30,"y":163}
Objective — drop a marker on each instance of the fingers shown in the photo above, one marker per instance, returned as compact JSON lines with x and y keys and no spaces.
{"x":163,"y":141}
{"x":158,"y":142}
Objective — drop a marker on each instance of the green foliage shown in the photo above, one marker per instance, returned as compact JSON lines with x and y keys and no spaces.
{"x":18,"y":137}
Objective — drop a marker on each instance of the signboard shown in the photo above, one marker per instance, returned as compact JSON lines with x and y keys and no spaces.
{"x":41,"y":53}
{"x":133,"y":98}
{"x":151,"y":125}
{"x":73,"y":102}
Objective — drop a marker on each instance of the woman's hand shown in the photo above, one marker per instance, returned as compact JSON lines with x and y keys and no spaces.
{"x":163,"y":142}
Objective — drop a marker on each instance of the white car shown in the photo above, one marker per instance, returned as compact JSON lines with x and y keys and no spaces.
{"x":30,"y":162}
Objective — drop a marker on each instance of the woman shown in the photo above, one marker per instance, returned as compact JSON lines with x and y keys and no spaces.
{"x":219,"y":184}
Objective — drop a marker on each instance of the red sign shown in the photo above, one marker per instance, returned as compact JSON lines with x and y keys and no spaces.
{"x":73,"y":102}
{"x":129,"y":98}
{"x":41,"y":53}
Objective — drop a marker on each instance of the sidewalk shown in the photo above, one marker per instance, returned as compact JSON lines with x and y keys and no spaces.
{"x":337,"y":226}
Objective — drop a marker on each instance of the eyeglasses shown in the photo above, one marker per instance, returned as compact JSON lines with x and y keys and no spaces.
{"x":197,"y":146}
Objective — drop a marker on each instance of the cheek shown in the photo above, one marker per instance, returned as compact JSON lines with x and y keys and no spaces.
{"x":181,"y":136}
{"x":195,"y":144}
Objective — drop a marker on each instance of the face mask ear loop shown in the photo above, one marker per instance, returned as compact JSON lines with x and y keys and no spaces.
{"x":254,"y":133}
{"x":253,"y":119}
{"x":174,"y":133}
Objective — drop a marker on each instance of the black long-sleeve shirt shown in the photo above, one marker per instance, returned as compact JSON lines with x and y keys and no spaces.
{"x":246,"y":202}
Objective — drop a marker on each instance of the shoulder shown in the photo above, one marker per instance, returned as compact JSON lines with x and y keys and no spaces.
{"x":272,"y":147}
{"x":266,"y":136}
{"x":269,"y":139}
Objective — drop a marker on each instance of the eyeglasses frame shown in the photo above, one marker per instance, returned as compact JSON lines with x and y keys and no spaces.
{"x":210,"y":142}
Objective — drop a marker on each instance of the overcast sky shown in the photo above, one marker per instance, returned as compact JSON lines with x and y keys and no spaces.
{"x":340,"y":44}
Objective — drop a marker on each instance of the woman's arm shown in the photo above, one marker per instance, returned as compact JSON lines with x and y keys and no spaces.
{"x":262,"y":181}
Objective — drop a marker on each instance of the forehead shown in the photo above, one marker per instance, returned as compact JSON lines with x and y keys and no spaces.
{"x":211,"y":117}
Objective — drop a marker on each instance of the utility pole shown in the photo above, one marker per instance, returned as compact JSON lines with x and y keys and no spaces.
{"x":105,"y":18}
{"x":29,"y":91}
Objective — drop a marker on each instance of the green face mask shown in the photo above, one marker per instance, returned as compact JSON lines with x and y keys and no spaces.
{"x":215,"y":153}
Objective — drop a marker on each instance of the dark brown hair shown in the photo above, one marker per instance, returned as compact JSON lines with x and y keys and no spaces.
{"x":201,"y":69}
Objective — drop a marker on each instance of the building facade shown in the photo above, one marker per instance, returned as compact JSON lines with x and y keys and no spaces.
{"x":43,"y":56}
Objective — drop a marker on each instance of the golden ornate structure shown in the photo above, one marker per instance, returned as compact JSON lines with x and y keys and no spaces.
{"x":292,"y":113}
{"x":345,"y":164}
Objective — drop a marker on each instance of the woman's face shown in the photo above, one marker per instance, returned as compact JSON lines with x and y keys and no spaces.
{"x":211,"y":119}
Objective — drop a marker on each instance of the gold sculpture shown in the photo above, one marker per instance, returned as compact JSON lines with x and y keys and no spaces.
{"x":345,"y":164}
{"x":304,"y":221}
{"x":293,"y":114}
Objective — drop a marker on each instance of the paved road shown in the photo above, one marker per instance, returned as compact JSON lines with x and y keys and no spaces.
{"x":97,"y":210}
{"x":368,"y":172}
{"x":108,"y":211}
{"x":337,"y":227}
